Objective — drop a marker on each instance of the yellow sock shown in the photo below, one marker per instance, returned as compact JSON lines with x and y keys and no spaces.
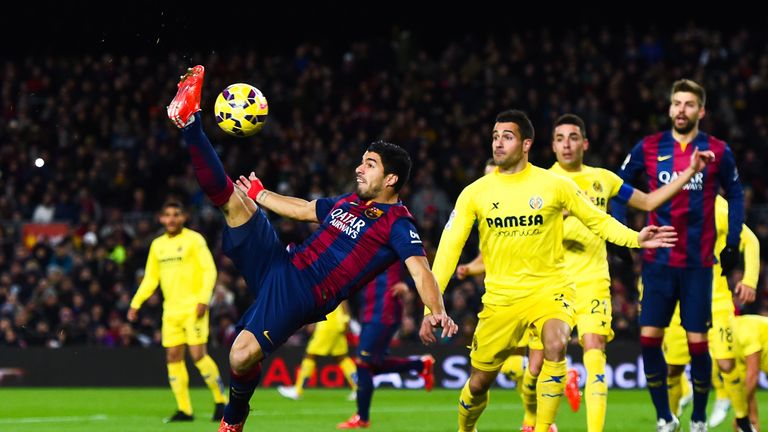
{"x":306,"y":371}
{"x":513,"y":369}
{"x":210,"y":374}
{"x":733,"y":383}
{"x":596,"y":390}
{"x":717,"y":383}
{"x":179,"y":381}
{"x":675,"y":390}
{"x":528,"y":395}
{"x":350,"y":370}
{"x":549,"y":391}
{"x":470,"y":408}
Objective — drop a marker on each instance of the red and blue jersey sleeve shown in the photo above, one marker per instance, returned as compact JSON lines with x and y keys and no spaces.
{"x":728,"y":175}
{"x":405,"y":240}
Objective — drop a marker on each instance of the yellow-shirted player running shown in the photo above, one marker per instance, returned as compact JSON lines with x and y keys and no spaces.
{"x":586,"y":262}
{"x":519,"y":209}
{"x":179,"y":260}
{"x":328,"y":340}
{"x":721,"y":335}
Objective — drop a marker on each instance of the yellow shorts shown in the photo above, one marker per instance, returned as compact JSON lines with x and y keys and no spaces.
{"x":594,"y":310}
{"x":501,"y":328}
{"x":327,"y":341}
{"x":184,"y":329}
{"x":530,"y":340}
{"x":720,"y":336}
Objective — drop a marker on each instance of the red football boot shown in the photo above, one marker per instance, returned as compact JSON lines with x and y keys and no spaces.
{"x":354,"y":422}
{"x":187,"y":100}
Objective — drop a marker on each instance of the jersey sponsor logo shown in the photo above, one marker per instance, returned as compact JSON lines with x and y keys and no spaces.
{"x":663,"y":158}
{"x":597,"y":186}
{"x":495,"y":205}
{"x":515,"y":221}
{"x":347,"y":223}
{"x":373,"y":213}
{"x":696,"y":182}
{"x":415,"y":237}
{"x":536,"y":202}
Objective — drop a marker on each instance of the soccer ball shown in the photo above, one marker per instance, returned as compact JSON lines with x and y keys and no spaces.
{"x":241,"y":110}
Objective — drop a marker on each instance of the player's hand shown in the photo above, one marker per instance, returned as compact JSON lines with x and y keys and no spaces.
{"x":653,"y":237}
{"x":251,"y":186}
{"x":745,"y":294}
{"x":462,"y":271}
{"x":729,"y":257}
{"x":200,"y":310}
{"x":132,"y":314}
{"x":700,"y":159}
{"x":433,"y":321}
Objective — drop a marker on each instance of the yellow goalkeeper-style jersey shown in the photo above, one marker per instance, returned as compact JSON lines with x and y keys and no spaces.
{"x":520,"y":220}
{"x":184,"y":268}
{"x":751,"y":337}
{"x":585,"y":257}
{"x":335,"y":322}
{"x":749,"y":244}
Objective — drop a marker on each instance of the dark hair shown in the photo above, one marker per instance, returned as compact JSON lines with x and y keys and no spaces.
{"x":520,"y":119}
{"x":171,"y":202}
{"x":571,"y":119}
{"x":490,"y":162}
{"x":689,"y":86}
{"x":395,"y":160}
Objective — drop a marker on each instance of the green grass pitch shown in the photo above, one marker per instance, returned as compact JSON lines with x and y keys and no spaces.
{"x":142,"y":409}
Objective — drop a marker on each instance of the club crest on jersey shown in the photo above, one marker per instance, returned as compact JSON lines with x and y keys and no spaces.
{"x":597,"y":187}
{"x":536,"y":202}
{"x":373,"y":213}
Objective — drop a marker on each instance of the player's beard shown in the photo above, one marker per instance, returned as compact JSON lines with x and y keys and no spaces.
{"x":368,"y":194}
{"x":509,"y":161}
{"x":690,"y":124}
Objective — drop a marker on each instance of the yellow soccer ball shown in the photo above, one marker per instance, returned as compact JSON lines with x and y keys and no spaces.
{"x":241,"y":110}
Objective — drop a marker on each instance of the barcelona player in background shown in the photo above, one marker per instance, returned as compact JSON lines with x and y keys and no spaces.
{"x":180,"y":262}
{"x":381,"y":312}
{"x":722,"y":334}
{"x":360,"y":235}
{"x":684,"y":272}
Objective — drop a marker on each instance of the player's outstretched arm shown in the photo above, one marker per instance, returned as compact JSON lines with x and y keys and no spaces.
{"x":653,"y":237}
{"x":430,"y":294}
{"x":652,"y":201}
{"x":288,"y":207}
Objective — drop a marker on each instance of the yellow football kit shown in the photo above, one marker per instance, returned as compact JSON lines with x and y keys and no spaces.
{"x":329,"y":337}
{"x":184,"y":268}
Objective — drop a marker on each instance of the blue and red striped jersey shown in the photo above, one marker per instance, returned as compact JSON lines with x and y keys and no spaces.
{"x":355,"y":242}
{"x":692,"y":210}
{"x":378,"y":302}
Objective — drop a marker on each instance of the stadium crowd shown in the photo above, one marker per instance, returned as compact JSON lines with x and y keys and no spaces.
{"x":111,"y":157}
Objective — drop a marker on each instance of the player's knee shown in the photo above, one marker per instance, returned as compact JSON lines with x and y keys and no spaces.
{"x":554,"y":348}
{"x":242,"y":358}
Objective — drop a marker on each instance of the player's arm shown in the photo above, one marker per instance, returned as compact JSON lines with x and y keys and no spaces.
{"x":729,"y":180}
{"x":651,"y":201}
{"x":430,"y":294}
{"x":453,"y":238}
{"x":148,"y":284}
{"x":750,"y":246}
{"x":285,"y":206}
{"x":207,"y":268}
{"x":472,"y":268}
{"x":752,"y":363}
{"x":608,"y":228}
